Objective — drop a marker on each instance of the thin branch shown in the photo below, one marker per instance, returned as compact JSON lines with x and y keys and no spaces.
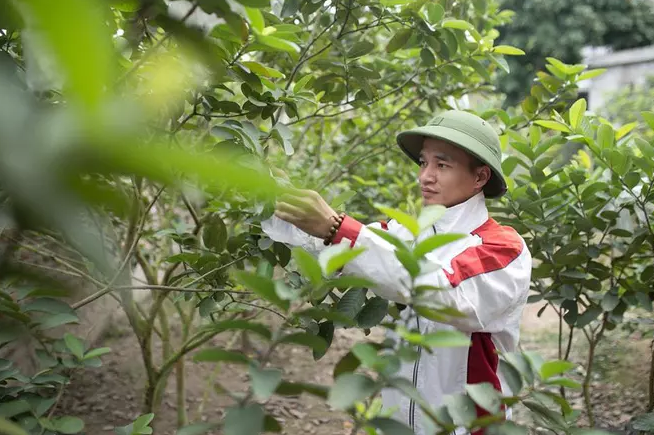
{"x":181,"y":289}
{"x":108,"y":288}
{"x":255,"y":306}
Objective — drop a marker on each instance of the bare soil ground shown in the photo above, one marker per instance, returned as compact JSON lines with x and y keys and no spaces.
{"x":111,"y":397}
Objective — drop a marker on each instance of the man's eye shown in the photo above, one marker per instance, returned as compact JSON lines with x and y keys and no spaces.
{"x":442,"y":165}
{"x":421,"y":162}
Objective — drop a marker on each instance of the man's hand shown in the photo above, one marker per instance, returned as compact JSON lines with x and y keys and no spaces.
{"x":307,"y":210}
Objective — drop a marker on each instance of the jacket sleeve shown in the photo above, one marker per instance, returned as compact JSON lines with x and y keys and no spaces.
{"x":484,"y":282}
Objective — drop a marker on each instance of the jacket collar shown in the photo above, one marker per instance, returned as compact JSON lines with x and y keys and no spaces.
{"x":465,"y":217}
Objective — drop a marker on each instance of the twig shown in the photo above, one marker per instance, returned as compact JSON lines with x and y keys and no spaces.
{"x":108,"y":288}
{"x":255,"y":306}
{"x":180,"y":289}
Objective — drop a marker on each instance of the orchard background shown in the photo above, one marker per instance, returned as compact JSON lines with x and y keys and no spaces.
{"x":140,"y":148}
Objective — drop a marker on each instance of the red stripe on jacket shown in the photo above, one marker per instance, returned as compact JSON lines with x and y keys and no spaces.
{"x":500,"y":246}
{"x":482,"y":366}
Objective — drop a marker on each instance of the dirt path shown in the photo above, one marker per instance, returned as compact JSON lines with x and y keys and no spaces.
{"x":111,"y":397}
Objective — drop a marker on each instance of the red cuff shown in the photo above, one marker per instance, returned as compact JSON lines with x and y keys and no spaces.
{"x":349,"y":229}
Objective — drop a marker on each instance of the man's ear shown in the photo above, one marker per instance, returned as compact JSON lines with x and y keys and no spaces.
{"x":483,"y":176}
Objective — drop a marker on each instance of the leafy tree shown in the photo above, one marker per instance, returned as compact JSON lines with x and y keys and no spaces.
{"x":627,"y":104}
{"x":561,"y":28}
{"x":158,"y":148}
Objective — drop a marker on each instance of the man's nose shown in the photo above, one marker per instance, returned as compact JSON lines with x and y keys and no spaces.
{"x":426,"y":176}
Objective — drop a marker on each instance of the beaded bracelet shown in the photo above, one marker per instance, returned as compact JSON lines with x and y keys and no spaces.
{"x":336,"y":224}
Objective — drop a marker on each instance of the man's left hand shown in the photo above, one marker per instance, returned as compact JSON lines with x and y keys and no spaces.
{"x":307,"y":210}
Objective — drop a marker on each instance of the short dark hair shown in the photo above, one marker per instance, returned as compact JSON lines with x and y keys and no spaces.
{"x":475,"y":162}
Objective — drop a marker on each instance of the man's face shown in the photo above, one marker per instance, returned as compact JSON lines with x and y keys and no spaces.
{"x":447,"y":176}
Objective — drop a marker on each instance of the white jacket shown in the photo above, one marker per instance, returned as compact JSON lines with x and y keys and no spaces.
{"x":485,"y":275}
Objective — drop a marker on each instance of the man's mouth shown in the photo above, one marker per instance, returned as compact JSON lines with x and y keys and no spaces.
{"x":431,"y":191}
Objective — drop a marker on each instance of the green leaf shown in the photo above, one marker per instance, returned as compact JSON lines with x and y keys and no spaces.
{"x":486,"y":396}
{"x":398,"y":40}
{"x":610,"y":301}
{"x":553,"y":368}
{"x":75,"y":345}
{"x":220,"y":355}
{"x":512,"y":376}
{"x":445,"y":338}
{"x":288,"y":388}
{"x":427,"y":57}
{"x":308,"y":265}
{"x":373,"y":312}
{"x":625,"y":130}
{"x":342,"y":198}
{"x":214,"y":233}
{"x":290,"y":8}
{"x":457,"y":24}
{"x":142,"y":422}
{"x":366,"y":353}
{"x":255,"y":3}
{"x":577,"y":112}
{"x":588,"y":316}
{"x":57,"y":320}
{"x":407,"y":221}
{"x":435,"y":242}
{"x":348,"y":389}
{"x":278,"y":44}
{"x":247,"y":420}
{"x":409,"y":262}
{"x":649,"y":118}
{"x":48,"y":305}
{"x":508,"y":50}
{"x":563,"y":382}
{"x":461,"y":409}
{"x":347,"y":364}
{"x":435,"y":13}
{"x":644,"y":422}
{"x":553,"y":125}
{"x":508,"y":428}
{"x":605,"y":136}
{"x":318,"y":314}
{"x":9,"y":428}
{"x":86,"y":62}
{"x":69,"y":425}
{"x":479,"y":69}
{"x":337,"y":261}
{"x":645,"y":148}
{"x":326,"y":332}
{"x":196,"y":429}
{"x":359,"y":49}
{"x":256,"y":18}
{"x":389,"y":426}
{"x":591,"y":74}
{"x":351,"y":302}
{"x":346,"y":281}
{"x":270,"y":424}
{"x":429,"y":215}
{"x":263,"y":287}
{"x":300,"y":84}
{"x":315,"y":342}
{"x":264,"y":382}
{"x":389,"y":238}
{"x":14,"y":408}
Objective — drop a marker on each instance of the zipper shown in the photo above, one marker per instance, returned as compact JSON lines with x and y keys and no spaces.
{"x":416,"y":369}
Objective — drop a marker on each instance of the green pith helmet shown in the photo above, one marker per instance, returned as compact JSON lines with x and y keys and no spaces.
{"x":466,"y":131}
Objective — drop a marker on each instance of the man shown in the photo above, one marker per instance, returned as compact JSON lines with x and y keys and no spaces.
{"x":485,"y":275}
